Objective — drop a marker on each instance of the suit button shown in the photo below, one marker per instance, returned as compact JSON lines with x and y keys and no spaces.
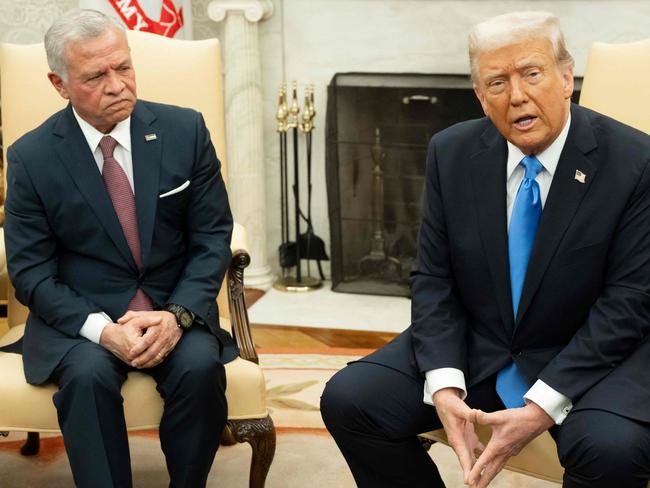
{"x":516,"y":353}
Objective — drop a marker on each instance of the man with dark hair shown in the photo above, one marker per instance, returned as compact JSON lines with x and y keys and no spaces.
{"x":531,"y":295}
{"x":118,"y":238}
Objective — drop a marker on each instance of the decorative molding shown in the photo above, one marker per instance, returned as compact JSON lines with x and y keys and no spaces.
{"x":253,"y":10}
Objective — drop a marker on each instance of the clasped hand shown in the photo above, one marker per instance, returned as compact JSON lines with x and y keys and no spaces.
{"x":142,"y":339}
{"x":512,"y":429}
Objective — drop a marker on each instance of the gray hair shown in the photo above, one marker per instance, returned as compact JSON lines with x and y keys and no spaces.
{"x":514,"y":27}
{"x":73,"y":26}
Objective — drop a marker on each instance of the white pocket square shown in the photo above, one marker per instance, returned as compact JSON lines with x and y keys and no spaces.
{"x":176,"y":190}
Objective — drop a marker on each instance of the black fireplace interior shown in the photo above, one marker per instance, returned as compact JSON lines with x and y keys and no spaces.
{"x":378,"y":129}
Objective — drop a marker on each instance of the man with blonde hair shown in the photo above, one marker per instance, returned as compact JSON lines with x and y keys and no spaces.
{"x":531,"y":294}
{"x":118,"y":237}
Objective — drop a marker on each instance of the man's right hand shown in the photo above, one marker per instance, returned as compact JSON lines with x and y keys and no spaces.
{"x":456,"y":418}
{"x":120,"y":338}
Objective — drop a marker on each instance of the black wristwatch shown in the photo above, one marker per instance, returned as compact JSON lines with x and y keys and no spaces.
{"x":184,"y":317}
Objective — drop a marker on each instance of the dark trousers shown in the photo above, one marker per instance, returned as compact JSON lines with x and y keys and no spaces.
{"x":375,"y":412}
{"x":192,"y":382}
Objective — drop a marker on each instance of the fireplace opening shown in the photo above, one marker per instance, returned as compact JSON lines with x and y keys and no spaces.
{"x":378,"y":130}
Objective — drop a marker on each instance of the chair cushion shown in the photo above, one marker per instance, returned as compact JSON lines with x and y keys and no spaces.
{"x":28,"y":407}
{"x":538,"y":458}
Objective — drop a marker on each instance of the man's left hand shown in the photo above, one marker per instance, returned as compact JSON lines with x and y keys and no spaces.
{"x":157,"y":341}
{"x":512,"y":429}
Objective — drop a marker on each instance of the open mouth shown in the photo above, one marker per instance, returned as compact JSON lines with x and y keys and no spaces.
{"x":525,"y":122}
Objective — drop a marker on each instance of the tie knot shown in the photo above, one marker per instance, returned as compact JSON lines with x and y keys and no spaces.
{"x":532,"y":166}
{"x":107,"y":145}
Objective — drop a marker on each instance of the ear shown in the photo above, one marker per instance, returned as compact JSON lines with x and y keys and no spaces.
{"x":567,"y":79}
{"x":481,"y":98}
{"x":58,"y":84}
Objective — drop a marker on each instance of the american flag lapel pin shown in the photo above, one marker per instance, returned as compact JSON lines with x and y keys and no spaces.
{"x":153,"y":137}
{"x":580,"y":177}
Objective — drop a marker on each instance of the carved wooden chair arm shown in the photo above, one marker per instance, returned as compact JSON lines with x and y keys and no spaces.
{"x":237,"y":298}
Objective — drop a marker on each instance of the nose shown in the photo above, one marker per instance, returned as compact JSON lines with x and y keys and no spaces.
{"x":114,"y":83}
{"x":518,"y":92}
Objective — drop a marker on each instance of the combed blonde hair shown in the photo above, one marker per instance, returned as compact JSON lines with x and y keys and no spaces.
{"x":515,"y":27}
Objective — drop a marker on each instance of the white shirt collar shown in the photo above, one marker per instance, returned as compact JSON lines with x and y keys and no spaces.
{"x":549,"y":157}
{"x":121,"y":132}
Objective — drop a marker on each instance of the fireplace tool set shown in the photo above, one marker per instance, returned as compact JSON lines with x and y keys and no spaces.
{"x":305,"y":246}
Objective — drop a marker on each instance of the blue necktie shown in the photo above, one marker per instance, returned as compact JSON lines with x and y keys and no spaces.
{"x":511,"y":384}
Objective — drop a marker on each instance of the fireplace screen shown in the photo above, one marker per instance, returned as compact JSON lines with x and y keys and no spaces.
{"x":378,"y":129}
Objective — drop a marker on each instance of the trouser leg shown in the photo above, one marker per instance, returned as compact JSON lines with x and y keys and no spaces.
{"x":375,"y":413}
{"x":91,"y":417}
{"x":600,"y":449}
{"x":192,"y":382}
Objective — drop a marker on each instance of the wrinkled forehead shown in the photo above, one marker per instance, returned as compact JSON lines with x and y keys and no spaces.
{"x":110,"y":47}
{"x":516,"y":56}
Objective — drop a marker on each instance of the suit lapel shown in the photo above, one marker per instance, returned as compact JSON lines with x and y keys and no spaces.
{"x":147,"y":157}
{"x":563,"y":200}
{"x":489,"y":184}
{"x":79,"y":161}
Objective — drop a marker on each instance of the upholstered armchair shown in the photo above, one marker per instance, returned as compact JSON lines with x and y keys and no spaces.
{"x":185,"y":73}
{"x":615,"y":84}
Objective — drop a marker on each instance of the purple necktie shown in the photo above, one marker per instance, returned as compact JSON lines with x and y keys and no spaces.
{"x":123,"y":200}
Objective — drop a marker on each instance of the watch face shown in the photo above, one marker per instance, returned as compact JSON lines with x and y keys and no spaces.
{"x":185,"y":319}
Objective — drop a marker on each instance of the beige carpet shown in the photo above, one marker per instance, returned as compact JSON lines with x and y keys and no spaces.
{"x":305,"y":456}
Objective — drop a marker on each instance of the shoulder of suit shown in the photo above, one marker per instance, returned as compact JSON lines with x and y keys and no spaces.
{"x":37,"y":137}
{"x":167,"y":110}
{"x":465,"y":133}
{"x":606,"y":128}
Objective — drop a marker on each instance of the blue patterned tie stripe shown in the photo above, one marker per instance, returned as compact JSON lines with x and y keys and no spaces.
{"x":527,"y":210}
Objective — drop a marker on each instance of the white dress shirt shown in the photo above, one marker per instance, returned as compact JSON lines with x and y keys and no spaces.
{"x":95,"y":322}
{"x":554,"y":403}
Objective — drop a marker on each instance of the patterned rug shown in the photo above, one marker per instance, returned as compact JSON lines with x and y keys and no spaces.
{"x":305,"y":456}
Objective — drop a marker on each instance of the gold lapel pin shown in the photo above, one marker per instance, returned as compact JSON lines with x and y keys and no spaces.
{"x":580,"y":177}
{"x":153,"y":137}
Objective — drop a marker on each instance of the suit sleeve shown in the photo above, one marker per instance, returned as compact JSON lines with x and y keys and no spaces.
{"x":32,"y":256}
{"x":209,"y":230}
{"x":619,"y":320}
{"x":438,"y":317}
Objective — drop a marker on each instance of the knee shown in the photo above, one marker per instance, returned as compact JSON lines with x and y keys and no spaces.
{"x":202,"y":374}
{"x":600,"y":454}
{"x":339,"y":405}
{"x":94,"y":373}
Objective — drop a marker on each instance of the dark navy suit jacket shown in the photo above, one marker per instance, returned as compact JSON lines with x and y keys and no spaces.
{"x":66,"y":252}
{"x":583,"y":323}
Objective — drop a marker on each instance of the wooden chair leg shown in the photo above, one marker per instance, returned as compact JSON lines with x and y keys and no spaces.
{"x":227,"y":439}
{"x":31,"y":445}
{"x":260,"y":434}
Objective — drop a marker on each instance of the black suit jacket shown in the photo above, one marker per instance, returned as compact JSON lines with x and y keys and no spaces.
{"x":584,"y":316}
{"x":66,"y":252}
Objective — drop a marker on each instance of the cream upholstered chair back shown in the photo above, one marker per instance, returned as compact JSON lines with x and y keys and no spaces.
{"x":188,"y":75}
{"x":616,"y":82}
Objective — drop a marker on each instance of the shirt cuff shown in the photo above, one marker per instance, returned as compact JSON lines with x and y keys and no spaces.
{"x":94,"y":325}
{"x":554,"y":403}
{"x":437,"y":379}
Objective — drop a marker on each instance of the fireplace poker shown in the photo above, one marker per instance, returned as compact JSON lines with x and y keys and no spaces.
{"x":311,"y":246}
{"x":286,"y":255}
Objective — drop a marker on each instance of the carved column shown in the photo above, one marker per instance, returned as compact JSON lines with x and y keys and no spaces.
{"x":244,"y":136}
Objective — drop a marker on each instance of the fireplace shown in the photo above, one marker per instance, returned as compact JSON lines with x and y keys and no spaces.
{"x":378,"y":129}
